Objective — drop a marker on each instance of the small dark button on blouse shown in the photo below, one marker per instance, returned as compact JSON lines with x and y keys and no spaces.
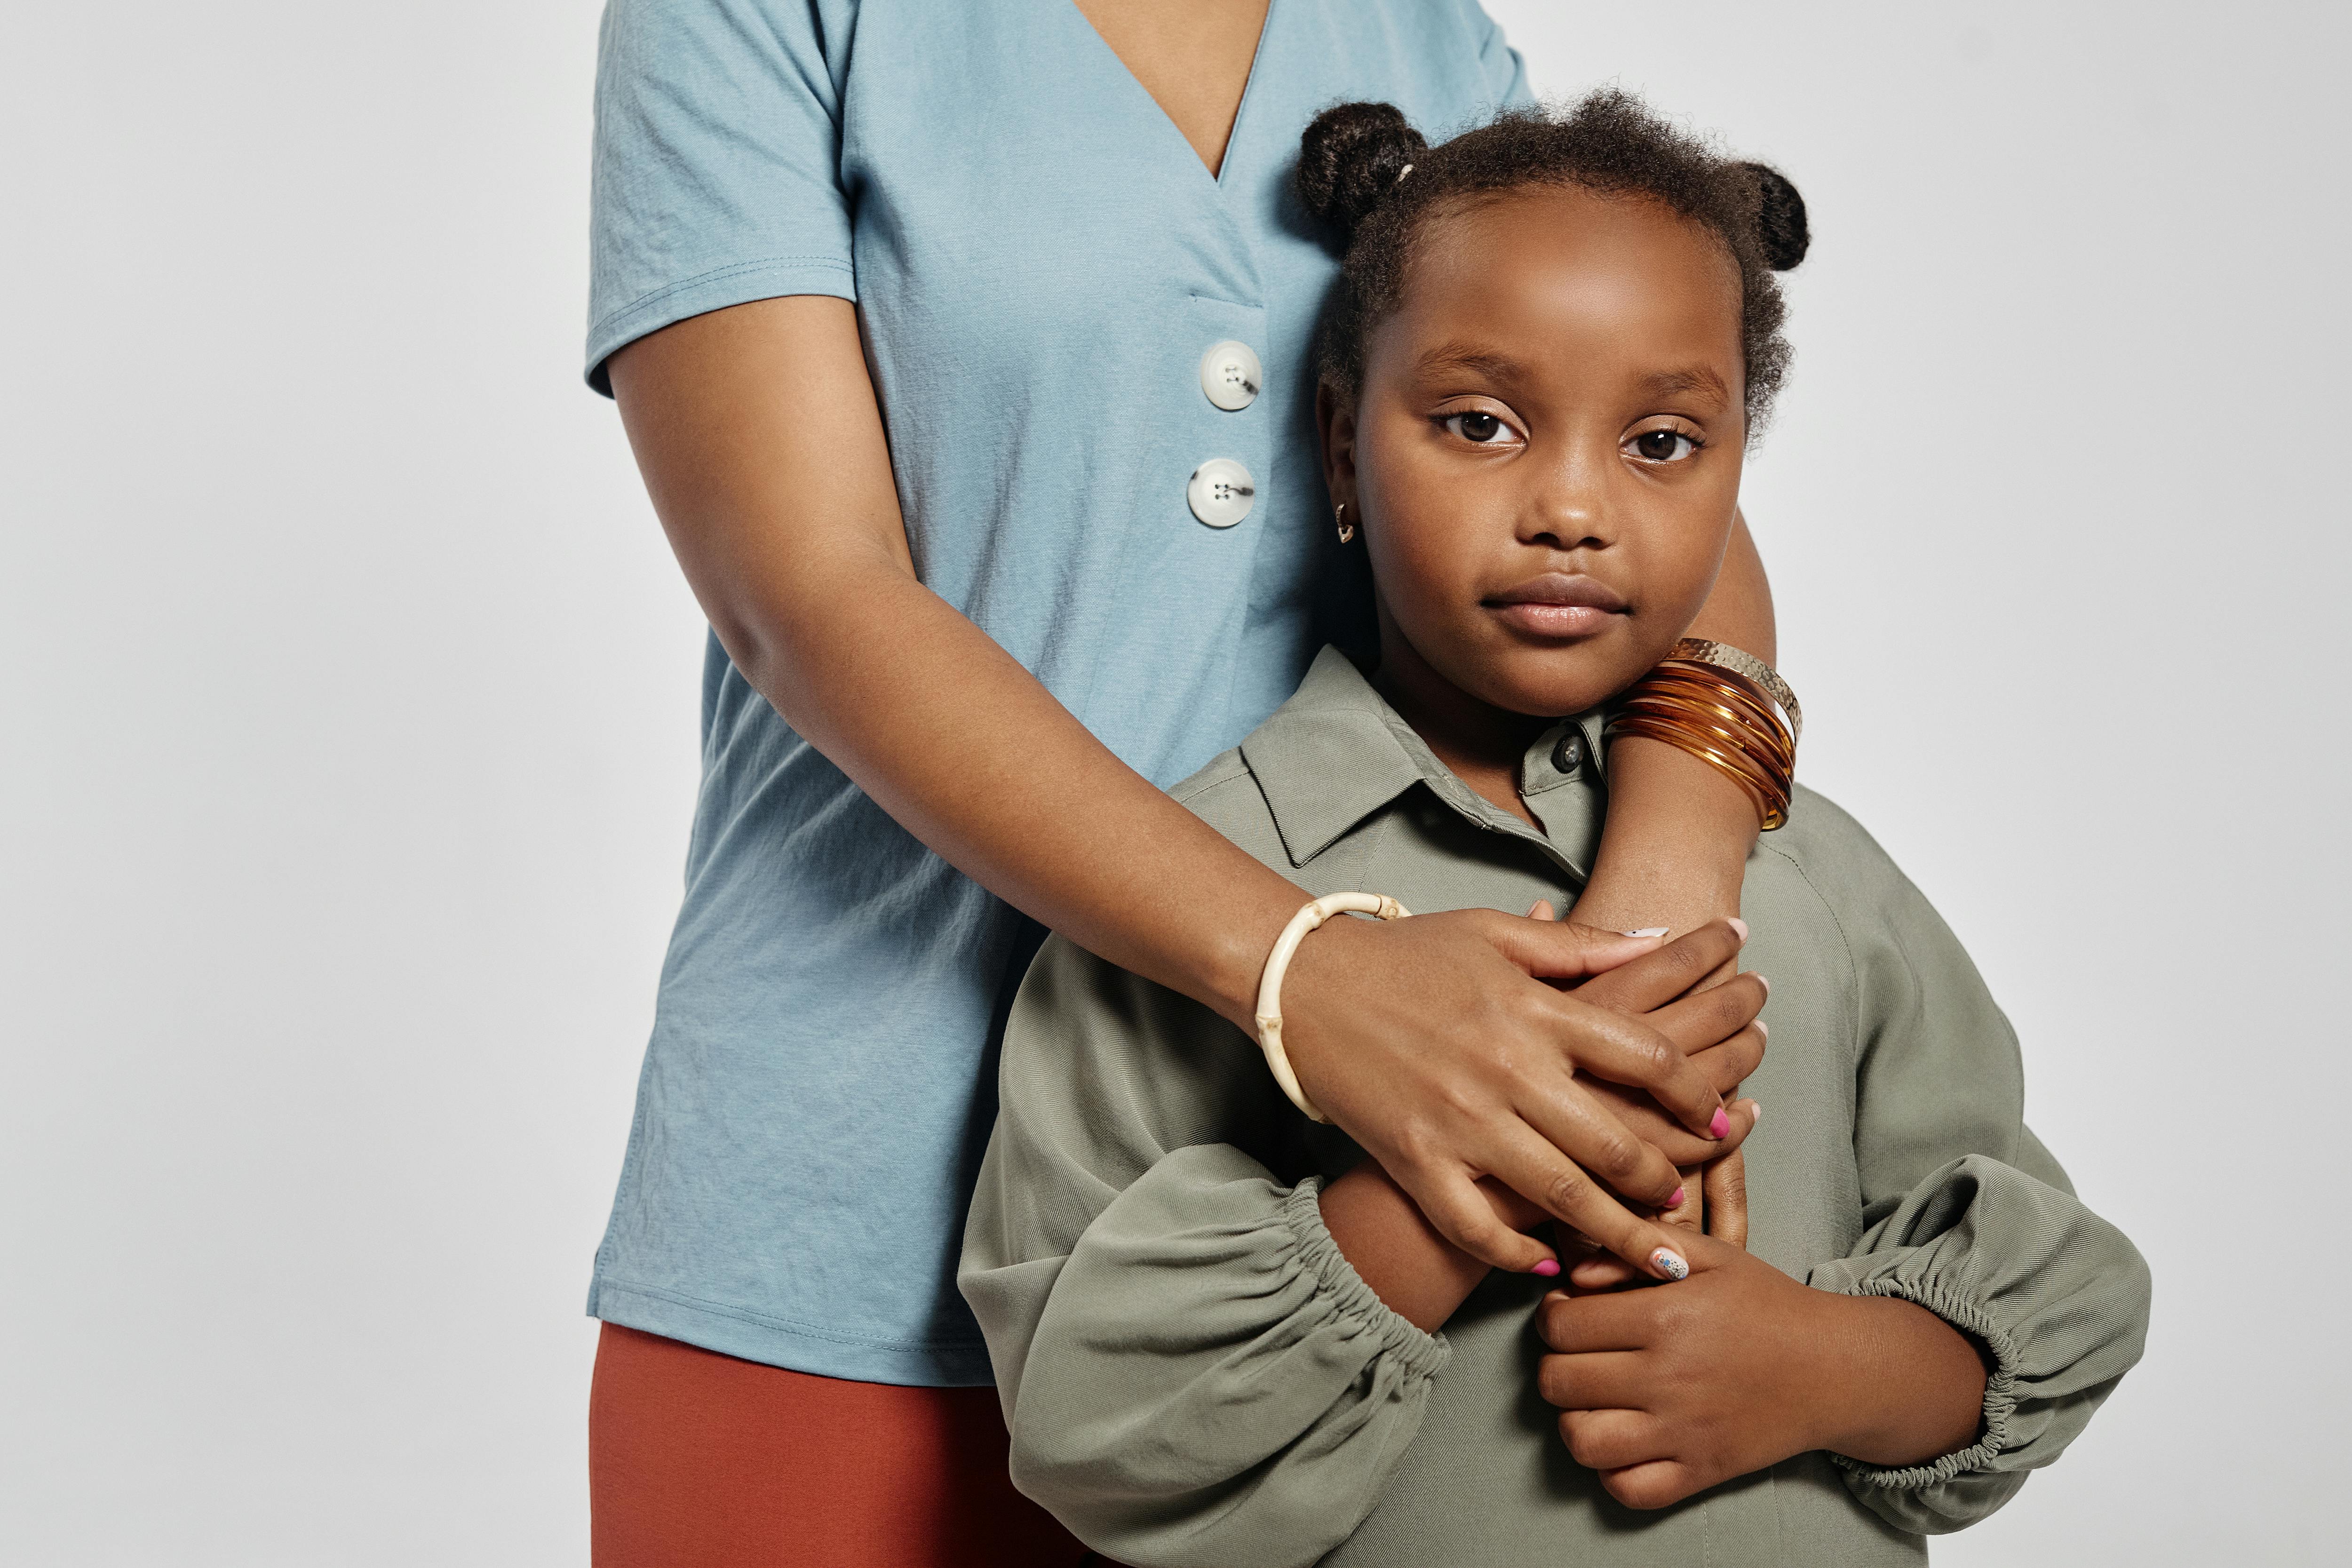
{"x":1567,"y":755}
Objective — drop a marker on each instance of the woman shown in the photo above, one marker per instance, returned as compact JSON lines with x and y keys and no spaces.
{"x":964,"y":351}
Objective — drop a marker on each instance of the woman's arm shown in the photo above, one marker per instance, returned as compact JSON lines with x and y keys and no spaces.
{"x":1674,"y":847}
{"x":1433,"y":1041}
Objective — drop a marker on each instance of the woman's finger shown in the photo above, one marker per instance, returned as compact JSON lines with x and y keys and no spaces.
{"x":1650,"y":981}
{"x":1612,"y":1439}
{"x":1724,"y":1184}
{"x":1580,"y":1126}
{"x":1708,"y":1018}
{"x":1554,"y":950}
{"x":1451,"y":1201}
{"x":1598,"y":1380}
{"x":1625,"y":1050}
{"x":1643,"y":1119}
{"x":1535,"y":1171}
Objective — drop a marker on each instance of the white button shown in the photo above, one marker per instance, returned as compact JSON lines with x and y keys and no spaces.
{"x":1219,"y":492}
{"x":1231,"y":375}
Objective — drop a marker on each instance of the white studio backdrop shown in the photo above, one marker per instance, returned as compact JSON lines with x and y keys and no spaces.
{"x":347,"y":700}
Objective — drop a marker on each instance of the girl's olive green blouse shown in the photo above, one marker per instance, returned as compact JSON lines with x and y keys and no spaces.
{"x":1193,"y":1374}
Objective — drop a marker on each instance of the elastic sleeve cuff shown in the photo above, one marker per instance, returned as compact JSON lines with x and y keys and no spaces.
{"x":1999,"y":1397}
{"x":1417,"y":1354}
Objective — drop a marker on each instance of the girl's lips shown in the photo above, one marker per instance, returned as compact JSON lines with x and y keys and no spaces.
{"x":1559,"y":604}
{"x":1555,"y":620}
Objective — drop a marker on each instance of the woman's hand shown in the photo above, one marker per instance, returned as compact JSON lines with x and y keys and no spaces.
{"x":1668,"y":1389}
{"x":1370,"y":1007}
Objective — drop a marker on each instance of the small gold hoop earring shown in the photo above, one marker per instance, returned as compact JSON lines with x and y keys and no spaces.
{"x":1347,"y":529}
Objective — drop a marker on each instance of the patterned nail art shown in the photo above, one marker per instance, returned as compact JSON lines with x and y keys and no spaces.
{"x":1669,"y":1264}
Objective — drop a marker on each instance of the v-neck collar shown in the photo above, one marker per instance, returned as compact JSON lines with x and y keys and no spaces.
{"x":1216,"y":177}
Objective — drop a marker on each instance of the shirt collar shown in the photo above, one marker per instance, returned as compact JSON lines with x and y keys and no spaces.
{"x":1337,"y":752}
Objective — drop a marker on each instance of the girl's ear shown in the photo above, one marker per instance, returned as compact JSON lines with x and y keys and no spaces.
{"x":1335,"y":428}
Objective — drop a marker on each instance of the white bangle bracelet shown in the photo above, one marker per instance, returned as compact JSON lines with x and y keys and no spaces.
{"x":1269,"y":989}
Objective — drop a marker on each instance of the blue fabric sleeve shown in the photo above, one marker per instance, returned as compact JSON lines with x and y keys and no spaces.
{"x":1505,"y":72}
{"x":718,"y":156}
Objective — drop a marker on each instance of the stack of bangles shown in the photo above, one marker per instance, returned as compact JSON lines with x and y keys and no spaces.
{"x":1727,"y":709}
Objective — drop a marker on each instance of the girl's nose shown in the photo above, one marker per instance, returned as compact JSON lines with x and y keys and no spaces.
{"x":1569,"y":509}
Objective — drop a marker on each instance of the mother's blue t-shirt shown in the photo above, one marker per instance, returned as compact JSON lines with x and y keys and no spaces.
{"x":1042,"y":263}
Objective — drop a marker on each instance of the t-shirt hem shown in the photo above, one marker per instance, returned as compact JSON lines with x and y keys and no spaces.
{"x":751,"y":1336}
{"x":739,"y":283}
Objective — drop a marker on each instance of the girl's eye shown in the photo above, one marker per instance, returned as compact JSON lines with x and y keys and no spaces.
{"x":1478,"y":430}
{"x":1664,"y":445}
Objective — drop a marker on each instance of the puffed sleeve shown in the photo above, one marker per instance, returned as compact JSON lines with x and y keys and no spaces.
{"x":717,"y":165}
{"x":1190,"y":1372}
{"x":1968,"y":1215}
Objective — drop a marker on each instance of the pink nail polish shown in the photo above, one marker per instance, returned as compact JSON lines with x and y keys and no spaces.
{"x":1547,"y":1268}
{"x":1676,"y":1201}
{"x":1720,"y":1126}
{"x":1740,"y":926}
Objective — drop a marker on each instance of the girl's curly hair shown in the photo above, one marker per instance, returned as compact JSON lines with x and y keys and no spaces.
{"x":1351,"y":176}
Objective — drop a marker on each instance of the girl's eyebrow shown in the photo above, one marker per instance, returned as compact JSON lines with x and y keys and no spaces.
{"x":1698,"y":378}
{"x":1470,"y":358}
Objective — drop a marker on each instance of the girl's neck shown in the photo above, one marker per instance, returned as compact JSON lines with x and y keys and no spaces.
{"x":1481,"y":744}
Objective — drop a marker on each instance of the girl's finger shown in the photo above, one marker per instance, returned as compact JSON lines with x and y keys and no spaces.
{"x":1715,"y":1015}
{"x":1725,"y":1183}
{"x":1613,"y":1321}
{"x":1625,"y":1050}
{"x":1642,"y":984}
{"x":1728,"y":1064}
{"x":1602,"y":1380}
{"x":1612,"y":1439}
{"x":1603,"y":1272}
{"x":1657,"y":1483}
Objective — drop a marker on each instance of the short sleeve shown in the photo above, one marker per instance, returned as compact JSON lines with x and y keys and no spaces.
{"x":717,"y":165}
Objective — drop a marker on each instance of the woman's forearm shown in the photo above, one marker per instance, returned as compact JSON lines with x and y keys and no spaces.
{"x":814,"y":594}
{"x":1674,"y":847}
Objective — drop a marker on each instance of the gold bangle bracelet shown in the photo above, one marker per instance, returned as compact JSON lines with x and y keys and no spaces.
{"x":1727,"y":708}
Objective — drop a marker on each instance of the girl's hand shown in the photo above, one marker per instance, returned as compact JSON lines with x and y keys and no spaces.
{"x":1440,"y":1046}
{"x":1667,"y":1390}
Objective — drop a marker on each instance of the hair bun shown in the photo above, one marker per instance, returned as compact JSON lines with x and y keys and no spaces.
{"x":1350,"y":157}
{"x":1779,"y":218}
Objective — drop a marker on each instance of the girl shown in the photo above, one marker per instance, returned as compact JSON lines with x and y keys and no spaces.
{"x":1214,"y":1322}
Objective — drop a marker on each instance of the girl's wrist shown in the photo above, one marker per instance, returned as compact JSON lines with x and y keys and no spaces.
{"x":1904,"y":1387}
{"x":1673,"y":850}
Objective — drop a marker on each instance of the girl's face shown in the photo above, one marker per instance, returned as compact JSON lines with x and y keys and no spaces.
{"x":1545,"y":455}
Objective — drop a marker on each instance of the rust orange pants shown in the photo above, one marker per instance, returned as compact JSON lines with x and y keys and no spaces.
{"x":699,"y":1460}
